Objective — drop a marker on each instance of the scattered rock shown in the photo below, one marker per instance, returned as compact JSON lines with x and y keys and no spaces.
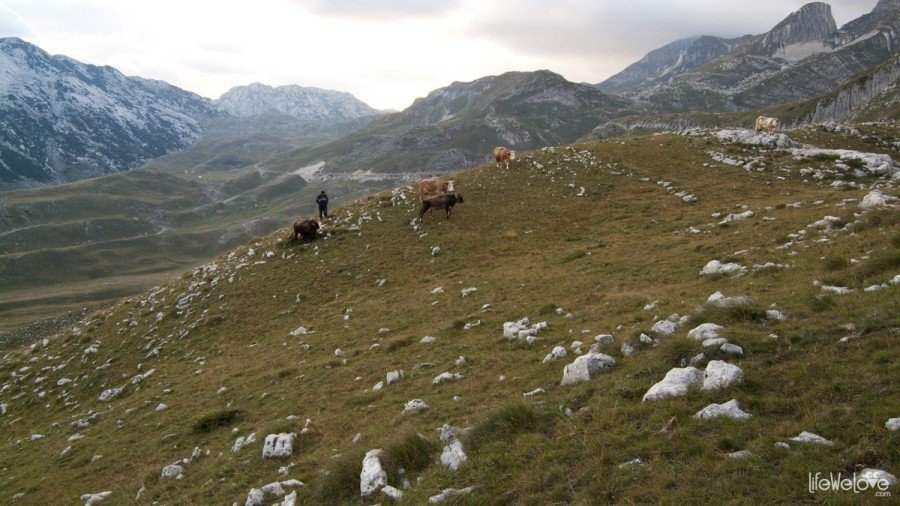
{"x":242,"y":442}
{"x":741,"y":455}
{"x":558,"y":352}
{"x":278,"y":445}
{"x":676,"y":383}
{"x":893,"y":424}
{"x":635,"y":462}
{"x":664,"y":327}
{"x":876,"y":478}
{"x":719,"y":374}
{"x":373,"y":477}
{"x":449,"y":493}
{"x":716,"y":268}
{"x":110,"y":394}
{"x":719,"y":300}
{"x":732,"y":349}
{"x":453,"y":455}
{"x":414,"y":406}
{"x":536,"y":391}
{"x":730,"y":409}
{"x":809,"y":437}
{"x":172,"y":471}
{"x":92,"y":499}
{"x":587,"y":366}
{"x":705,"y":331}
{"x":446,"y":377}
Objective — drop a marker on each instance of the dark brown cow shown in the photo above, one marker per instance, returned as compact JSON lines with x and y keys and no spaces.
{"x":445,"y":202}
{"x":434,"y":185}
{"x":306,"y":229}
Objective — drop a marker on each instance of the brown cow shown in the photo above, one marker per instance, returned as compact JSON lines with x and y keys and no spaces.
{"x":434,"y":185}
{"x":503,"y":155}
{"x":445,"y":202}
{"x":306,"y":229}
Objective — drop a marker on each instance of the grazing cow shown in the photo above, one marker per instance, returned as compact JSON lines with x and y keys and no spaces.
{"x":445,"y":202}
{"x":503,"y":155}
{"x":306,"y":229}
{"x":434,"y":185}
{"x":767,"y":124}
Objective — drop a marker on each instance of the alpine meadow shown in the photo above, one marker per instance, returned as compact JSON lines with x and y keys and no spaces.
{"x":679,"y":285}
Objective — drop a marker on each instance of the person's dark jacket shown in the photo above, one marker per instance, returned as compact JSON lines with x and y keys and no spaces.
{"x":322,"y":200}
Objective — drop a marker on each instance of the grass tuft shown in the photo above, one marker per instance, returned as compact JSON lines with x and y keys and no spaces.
{"x":505,"y":425}
{"x":213,"y":420}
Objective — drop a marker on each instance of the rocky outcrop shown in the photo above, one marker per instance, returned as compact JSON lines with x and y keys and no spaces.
{"x":306,"y":103}
{"x":813,"y":22}
{"x":856,"y":95}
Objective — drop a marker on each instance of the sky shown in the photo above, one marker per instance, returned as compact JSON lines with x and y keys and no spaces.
{"x":386,"y":52}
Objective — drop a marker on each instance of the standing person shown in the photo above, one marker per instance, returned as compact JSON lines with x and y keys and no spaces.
{"x":322,"y":200}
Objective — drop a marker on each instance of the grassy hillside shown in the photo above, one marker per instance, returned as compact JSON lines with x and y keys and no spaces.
{"x":93,"y":241}
{"x":586,"y":238}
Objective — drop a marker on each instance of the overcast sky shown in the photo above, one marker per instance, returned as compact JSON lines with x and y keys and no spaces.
{"x":386,"y":52}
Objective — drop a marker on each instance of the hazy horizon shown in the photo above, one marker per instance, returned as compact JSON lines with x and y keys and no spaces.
{"x":385,"y":52}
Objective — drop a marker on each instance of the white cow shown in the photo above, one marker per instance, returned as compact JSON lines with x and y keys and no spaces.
{"x":766,"y":123}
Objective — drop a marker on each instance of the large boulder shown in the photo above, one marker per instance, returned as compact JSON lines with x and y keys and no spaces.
{"x":586,"y":367}
{"x":677,"y":382}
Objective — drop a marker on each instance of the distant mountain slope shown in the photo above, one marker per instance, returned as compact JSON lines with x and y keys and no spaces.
{"x":62,"y":120}
{"x":668,"y":62}
{"x":305,"y":103}
{"x":459,"y":125}
{"x":803,"y":56}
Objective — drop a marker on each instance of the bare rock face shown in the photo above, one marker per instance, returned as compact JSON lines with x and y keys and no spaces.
{"x":813,"y":22}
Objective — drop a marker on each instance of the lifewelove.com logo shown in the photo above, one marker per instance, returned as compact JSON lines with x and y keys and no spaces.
{"x":867,"y":481}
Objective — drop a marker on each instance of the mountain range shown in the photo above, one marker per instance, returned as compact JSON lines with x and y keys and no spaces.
{"x":63,"y":120}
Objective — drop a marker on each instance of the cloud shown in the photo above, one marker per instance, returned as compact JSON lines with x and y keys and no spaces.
{"x":382,"y":10}
{"x":580,"y":35}
{"x":11,"y":25}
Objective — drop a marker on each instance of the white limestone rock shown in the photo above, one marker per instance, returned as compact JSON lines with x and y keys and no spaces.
{"x":730,"y":409}
{"x":893,"y":424}
{"x":604,"y":339}
{"x":393,"y":377}
{"x":732,"y":349}
{"x":558,"y":352}
{"x":876,"y":479}
{"x":775,"y":315}
{"x":586,"y":367}
{"x":393,"y":493}
{"x":677,"y":382}
{"x":809,"y":437}
{"x":716,"y":268}
{"x":372,"y":477}
{"x":719,"y":300}
{"x":242,"y":442}
{"x":719,"y":374}
{"x":449,"y":493}
{"x":110,"y":394}
{"x":875,"y":199}
{"x":414,"y":406}
{"x":453,"y":455}
{"x":706,"y":331}
{"x":741,"y":455}
{"x":664,"y":327}
{"x":97,"y":498}
{"x":446,"y":377}
{"x":278,"y":445}
{"x":714,"y":343}
{"x":172,"y":471}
